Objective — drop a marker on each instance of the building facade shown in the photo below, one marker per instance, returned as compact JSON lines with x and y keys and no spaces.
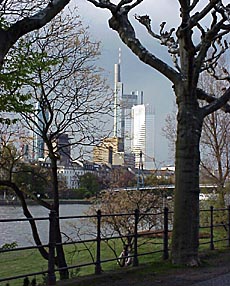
{"x":143,"y":135}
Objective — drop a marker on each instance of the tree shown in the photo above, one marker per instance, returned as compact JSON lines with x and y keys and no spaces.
{"x":121,"y":177}
{"x":9,"y":162}
{"x":195,"y":46}
{"x":215,"y":141}
{"x":215,"y":165}
{"x":17,"y":18}
{"x":69,"y":97}
{"x":90,"y":183}
{"x":31,"y":178}
{"x":126,"y":202}
{"x":154,"y":180}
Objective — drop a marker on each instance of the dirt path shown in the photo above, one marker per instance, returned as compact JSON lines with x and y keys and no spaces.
{"x":215,"y":264}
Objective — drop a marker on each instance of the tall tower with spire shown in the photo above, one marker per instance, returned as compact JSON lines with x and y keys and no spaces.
{"x":133,"y":129}
{"x":118,"y":94}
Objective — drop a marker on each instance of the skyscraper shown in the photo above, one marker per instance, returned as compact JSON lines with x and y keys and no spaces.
{"x":133,"y":121}
{"x":41,"y":118}
{"x":38,"y":145}
{"x":143,"y":135}
{"x":118,"y":92}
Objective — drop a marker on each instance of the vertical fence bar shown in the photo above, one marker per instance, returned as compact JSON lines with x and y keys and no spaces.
{"x":135,"y":257}
{"x":166,"y":249}
{"x":98,"y":254}
{"x":51,"y":279}
{"x":211,"y":229}
{"x":228,"y":225}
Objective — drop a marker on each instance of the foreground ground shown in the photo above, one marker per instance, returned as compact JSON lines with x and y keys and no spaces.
{"x":216,"y":266}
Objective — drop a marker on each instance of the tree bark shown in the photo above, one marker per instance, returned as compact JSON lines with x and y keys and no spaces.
{"x":64,"y":273}
{"x":186,"y":213}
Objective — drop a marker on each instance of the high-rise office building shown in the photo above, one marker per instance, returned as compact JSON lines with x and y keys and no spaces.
{"x":128,"y":101}
{"x":63,"y":149}
{"x":133,"y":122}
{"x":39,"y":145}
{"x":118,"y":92}
{"x":143,"y":135}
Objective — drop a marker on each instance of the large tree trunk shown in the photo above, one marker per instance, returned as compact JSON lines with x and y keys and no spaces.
{"x":64,"y":273}
{"x":186,"y":206}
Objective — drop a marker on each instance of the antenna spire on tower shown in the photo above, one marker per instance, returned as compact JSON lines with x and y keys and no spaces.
{"x":119,"y":56}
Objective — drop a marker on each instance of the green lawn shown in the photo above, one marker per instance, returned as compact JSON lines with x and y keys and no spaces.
{"x":29,"y":261}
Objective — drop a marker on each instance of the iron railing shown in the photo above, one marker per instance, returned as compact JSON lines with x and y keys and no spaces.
{"x":163,"y":234}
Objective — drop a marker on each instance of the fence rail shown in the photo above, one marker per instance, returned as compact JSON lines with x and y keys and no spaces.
{"x":207,"y":227}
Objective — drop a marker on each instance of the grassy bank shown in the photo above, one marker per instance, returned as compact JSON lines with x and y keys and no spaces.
{"x":30,"y":261}
{"x":22,"y":262}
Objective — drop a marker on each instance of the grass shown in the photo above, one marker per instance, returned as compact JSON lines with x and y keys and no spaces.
{"x":29,"y":261}
{"x":19,"y":263}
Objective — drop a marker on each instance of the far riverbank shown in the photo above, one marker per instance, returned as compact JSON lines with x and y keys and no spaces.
{"x":31,"y":202}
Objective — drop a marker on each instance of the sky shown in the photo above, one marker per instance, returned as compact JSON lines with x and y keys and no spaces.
{"x":135,"y":74}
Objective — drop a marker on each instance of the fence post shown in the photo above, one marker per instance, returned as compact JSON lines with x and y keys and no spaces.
{"x":211,"y":229}
{"x":51,"y":279}
{"x":98,"y":254}
{"x":166,"y":250}
{"x":228,"y":224}
{"x":135,"y":255}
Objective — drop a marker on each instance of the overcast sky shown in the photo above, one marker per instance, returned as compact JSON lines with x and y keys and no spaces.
{"x":136,"y":75}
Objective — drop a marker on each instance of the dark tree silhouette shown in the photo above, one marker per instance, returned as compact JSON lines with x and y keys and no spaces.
{"x":195,"y":46}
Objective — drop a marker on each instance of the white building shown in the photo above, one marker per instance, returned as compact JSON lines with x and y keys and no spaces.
{"x":143,"y":135}
{"x":71,"y":175}
{"x":72,"y":172}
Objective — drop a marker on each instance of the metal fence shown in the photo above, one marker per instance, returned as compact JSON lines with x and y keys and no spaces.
{"x":162,"y":233}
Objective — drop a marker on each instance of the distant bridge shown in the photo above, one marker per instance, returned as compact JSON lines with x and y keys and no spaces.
{"x":162,"y":187}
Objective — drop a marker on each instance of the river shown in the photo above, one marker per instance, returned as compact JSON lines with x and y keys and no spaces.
{"x":20,"y":232}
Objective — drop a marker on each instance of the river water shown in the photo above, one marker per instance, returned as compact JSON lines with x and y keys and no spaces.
{"x":20,"y":232}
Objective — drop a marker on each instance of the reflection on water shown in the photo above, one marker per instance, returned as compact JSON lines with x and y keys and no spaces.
{"x":21,"y":232}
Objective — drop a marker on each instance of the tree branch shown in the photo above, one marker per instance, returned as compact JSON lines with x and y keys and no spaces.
{"x":28,"y":24}
{"x":28,"y":215}
{"x":215,"y":103}
{"x":104,"y":4}
{"x":165,"y":38}
{"x":209,"y":38}
{"x":203,"y":13}
{"x":195,"y":2}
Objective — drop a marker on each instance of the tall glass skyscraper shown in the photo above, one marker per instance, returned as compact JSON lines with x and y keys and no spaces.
{"x":133,"y":122}
{"x":143,"y":135}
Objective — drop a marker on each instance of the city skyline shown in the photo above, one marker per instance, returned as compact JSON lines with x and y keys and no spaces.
{"x":133,"y":121}
{"x":135,"y":74}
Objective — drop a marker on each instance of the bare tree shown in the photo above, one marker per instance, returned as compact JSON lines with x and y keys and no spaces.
{"x":71,"y":97}
{"x":118,"y":208}
{"x":21,"y":17}
{"x":202,"y":29}
{"x":68,"y":95}
{"x":215,"y":140}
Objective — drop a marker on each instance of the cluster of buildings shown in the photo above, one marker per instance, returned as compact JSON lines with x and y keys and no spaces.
{"x":132,"y":144}
{"x":130,"y":147}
